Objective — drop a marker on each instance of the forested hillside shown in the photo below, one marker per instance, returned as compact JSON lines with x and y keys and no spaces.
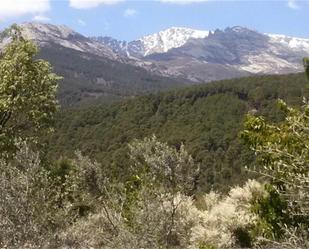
{"x":135,"y":185}
{"x":207,"y":119}
{"x":88,"y":77}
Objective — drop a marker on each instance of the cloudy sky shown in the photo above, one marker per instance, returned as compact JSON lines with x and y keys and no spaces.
{"x":131,"y":19}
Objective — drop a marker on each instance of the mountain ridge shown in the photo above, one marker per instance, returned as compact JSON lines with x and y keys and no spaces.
{"x":213,"y":55}
{"x":105,"y":67}
{"x":236,"y":51}
{"x":89,"y":69}
{"x":159,"y":42}
{"x":64,"y":36}
{"x":189,"y":33}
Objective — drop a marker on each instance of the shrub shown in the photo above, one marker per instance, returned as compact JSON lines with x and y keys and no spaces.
{"x":283,"y":152}
{"x":29,"y":211}
{"x":228,"y":220}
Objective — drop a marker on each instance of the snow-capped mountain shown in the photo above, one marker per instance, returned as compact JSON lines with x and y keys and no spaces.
{"x":294,"y":43}
{"x":45,"y":34}
{"x":234,"y":51}
{"x":160,"y":42}
{"x":89,"y":68}
{"x":179,"y":51}
{"x":196,"y":55}
{"x":170,"y":38}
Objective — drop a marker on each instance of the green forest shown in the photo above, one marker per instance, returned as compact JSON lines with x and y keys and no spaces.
{"x":206,"y":118}
{"x":212,"y":166}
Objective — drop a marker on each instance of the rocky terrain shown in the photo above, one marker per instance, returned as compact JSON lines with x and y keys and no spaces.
{"x":103,"y":67}
{"x":211,"y":55}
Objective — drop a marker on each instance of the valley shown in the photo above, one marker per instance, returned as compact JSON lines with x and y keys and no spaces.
{"x":189,"y":132}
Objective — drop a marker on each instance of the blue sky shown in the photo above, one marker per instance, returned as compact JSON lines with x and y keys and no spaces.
{"x":131,"y":19}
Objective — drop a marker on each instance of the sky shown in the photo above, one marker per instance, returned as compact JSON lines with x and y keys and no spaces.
{"x":131,"y":19}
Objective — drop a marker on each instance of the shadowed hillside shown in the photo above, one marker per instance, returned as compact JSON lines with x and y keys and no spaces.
{"x":88,"y":77}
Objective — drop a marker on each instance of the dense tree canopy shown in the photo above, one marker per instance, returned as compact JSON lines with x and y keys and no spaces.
{"x":206,"y":119}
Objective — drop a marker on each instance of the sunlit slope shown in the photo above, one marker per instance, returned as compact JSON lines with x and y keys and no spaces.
{"x":206,"y":118}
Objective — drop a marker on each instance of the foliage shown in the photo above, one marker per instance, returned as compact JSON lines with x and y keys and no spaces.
{"x":74,"y":205}
{"x":167,"y":179}
{"x":228,"y":221}
{"x":163,"y":166}
{"x":271,"y":212}
{"x":150,"y":229}
{"x":206,"y":118}
{"x":283,"y":152}
{"x":36,"y":204}
{"x":27,"y":91}
{"x":161,"y":216}
{"x":306,"y":65}
{"x":28,"y":201}
{"x":133,"y":223}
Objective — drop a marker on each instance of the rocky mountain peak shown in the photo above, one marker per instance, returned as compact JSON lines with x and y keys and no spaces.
{"x":40,"y":31}
{"x":167,"y":39}
{"x":47,"y":34}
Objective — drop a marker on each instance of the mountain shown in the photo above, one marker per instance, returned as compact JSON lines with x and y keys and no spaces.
{"x":47,"y":34}
{"x":211,"y":55}
{"x":92,"y":70}
{"x":159,"y":42}
{"x":118,"y":47}
{"x":104,"y":67}
{"x":167,"y":39}
{"x":239,"y":51}
{"x":294,"y":43}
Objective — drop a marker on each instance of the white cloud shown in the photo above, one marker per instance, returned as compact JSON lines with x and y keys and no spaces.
{"x":16,"y":8}
{"x":88,"y":4}
{"x":41,"y":18}
{"x":183,"y":1}
{"x":292,"y":4}
{"x":81,"y":22}
{"x":130,"y":12}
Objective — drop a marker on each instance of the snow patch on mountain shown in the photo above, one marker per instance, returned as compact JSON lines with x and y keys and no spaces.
{"x":284,"y":54}
{"x":266,"y":63}
{"x":170,"y":38}
{"x":294,"y":43}
{"x":178,"y":51}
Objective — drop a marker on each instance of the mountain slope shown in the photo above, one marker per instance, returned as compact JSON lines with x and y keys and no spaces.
{"x":107,"y":68}
{"x":159,"y":42}
{"x":294,"y":43}
{"x":167,"y":39}
{"x":118,"y":47}
{"x":206,"y":118}
{"x":87,"y":77}
{"x":45,"y":34}
{"x":237,"y":51}
{"x":203,"y":56}
{"x":91,"y":70}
